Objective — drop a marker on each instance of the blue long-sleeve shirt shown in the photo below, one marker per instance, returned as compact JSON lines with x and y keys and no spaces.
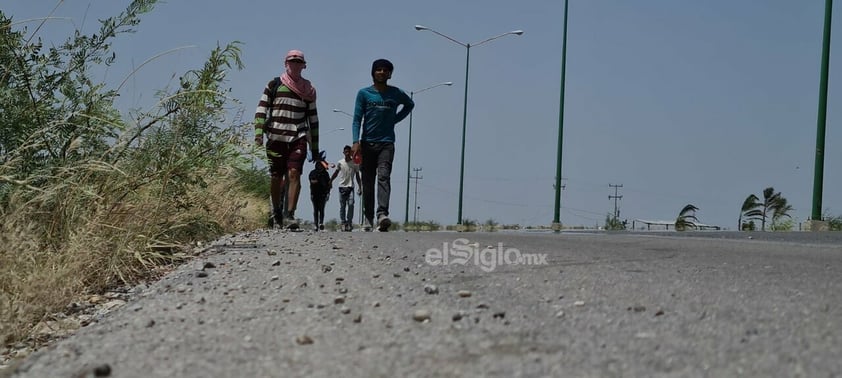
{"x":376,"y":114}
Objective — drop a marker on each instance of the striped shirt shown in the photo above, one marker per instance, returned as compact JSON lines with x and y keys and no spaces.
{"x":292,"y":118}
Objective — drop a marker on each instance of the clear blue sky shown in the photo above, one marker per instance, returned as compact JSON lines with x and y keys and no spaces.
{"x":680,"y":101}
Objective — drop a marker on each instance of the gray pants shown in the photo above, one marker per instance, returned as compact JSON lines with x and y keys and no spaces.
{"x":377,"y":166}
{"x":346,"y":199}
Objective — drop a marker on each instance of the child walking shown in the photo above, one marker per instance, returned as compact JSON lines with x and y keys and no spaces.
{"x":319,"y":192}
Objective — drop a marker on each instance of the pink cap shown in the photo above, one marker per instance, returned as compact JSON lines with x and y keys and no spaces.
{"x":295,"y":55}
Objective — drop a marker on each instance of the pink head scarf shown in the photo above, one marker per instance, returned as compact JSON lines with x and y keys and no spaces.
{"x":292,"y":77}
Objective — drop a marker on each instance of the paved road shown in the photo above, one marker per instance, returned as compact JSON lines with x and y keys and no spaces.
{"x":587,"y":305}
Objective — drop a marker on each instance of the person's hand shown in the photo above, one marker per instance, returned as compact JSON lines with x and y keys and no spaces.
{"x":356,"y":154}
{"x":359,"y":191}
{"x":258,"y":140}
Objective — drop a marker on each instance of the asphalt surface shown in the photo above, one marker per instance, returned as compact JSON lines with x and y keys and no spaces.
{"x":276,"y":304}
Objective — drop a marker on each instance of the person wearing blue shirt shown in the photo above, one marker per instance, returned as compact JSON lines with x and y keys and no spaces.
{"x":378,"y":109}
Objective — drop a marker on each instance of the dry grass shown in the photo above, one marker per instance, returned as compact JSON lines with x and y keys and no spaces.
{"x":68,"y":242}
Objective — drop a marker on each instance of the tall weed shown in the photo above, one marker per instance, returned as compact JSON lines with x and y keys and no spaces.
{"x":89,"y":201}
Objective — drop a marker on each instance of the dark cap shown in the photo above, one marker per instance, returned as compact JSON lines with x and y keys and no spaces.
{"x":382,"y":63}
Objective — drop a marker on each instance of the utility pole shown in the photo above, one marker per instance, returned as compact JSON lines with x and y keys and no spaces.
{"x":558,"y":187}
{"x":416,"y":177}
{"x":556,"y":225}
{"x":615,"y":197}
{"x":816,"y":223}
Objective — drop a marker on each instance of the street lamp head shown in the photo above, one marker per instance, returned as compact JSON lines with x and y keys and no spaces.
{"x":448,"y":83}
{"x":517,"y":32}
{"x":343,"y":112}
{"x":421,"y":27}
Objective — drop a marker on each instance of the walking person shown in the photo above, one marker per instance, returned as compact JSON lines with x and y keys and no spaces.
{"x":375,"y":115}
{"x":347,"y":171}
{"x":320,"y":185}
{"x":286,"y":115}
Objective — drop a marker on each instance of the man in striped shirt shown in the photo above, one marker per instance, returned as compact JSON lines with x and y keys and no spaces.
{"x":286,"y":116}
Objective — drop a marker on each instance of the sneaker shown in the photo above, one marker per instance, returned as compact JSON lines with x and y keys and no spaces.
{"x":321,"y":227}
{"x":367,"y":226}
{"x":349,"y":227}
{"x":383,"y":223}
{"x":293,"y":223}
{"x":277,"y":219}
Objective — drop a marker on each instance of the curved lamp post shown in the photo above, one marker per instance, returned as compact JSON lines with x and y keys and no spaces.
{"x":343,"y":112}
{"x":467,"y":47}
{"x":409,"y":149}
{"x":335,"y":130}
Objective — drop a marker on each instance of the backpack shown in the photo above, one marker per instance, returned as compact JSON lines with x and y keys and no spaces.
{"x":273,"y":87}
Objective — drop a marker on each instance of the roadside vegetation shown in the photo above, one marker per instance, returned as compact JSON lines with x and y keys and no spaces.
{"x":686,"y":219}
{"x":92,"y":197}
{"x":774,"y":209}
{"x":612,"y":223}
{"x":422,"y":226}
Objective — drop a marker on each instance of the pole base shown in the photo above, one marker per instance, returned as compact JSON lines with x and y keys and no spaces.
{"x":816,"y":226}
{"x":556,"y":226}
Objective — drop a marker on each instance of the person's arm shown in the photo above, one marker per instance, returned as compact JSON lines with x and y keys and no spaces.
{"x":408,"y":105}
{"x":313,"y":121}
{"x":356,"y":125}
{"x":335,"y":173}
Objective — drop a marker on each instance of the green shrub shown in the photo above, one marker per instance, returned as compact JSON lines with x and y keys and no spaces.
{"x":91,"y":202}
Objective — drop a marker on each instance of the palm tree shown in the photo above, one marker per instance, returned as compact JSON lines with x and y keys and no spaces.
{"x":774,"y":206}
{"x":686,"y":218}
{"x":748,"y":210}
{"x":780,"y":208}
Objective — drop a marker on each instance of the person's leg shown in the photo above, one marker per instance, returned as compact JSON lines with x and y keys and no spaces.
{"x":295,"y":163}
{"x":277,"y":169}
{"x":350,"y":202}
{"x":343,"y":202}
{"x":275,"y":186}
{"x":384,"y":184}
{"x":294,"y":176}
{"x":369,"y":175}
{"x":315,"y":202}
{"x":322,"y":204}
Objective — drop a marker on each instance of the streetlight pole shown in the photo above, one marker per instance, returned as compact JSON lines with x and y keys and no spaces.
{"x":467,"y":47}
{"x":409,"y":149}
{"x":556,"y":226}
{"x":415,"y":211}
{"x":818,"y":174}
